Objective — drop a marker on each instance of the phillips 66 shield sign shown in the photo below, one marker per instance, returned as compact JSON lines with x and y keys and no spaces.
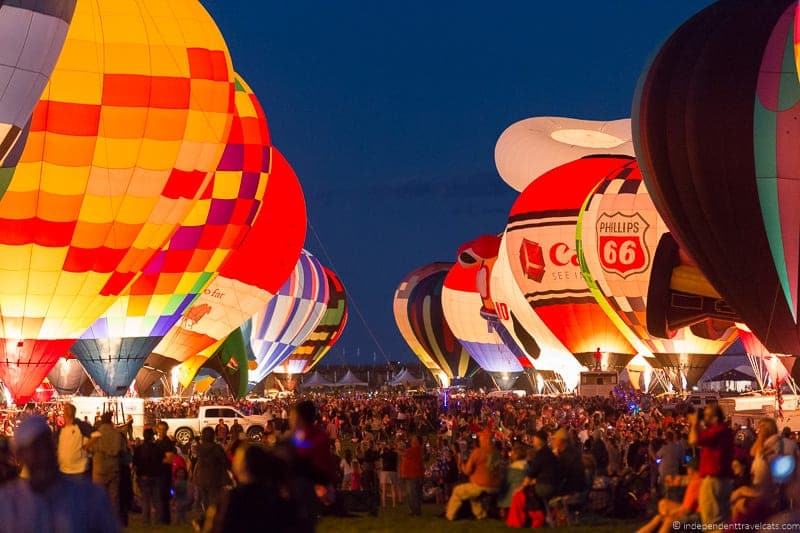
{"x":621,"y":243}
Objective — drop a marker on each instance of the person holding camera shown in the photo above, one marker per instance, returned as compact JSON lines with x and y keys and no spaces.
{"x":715,"y":439}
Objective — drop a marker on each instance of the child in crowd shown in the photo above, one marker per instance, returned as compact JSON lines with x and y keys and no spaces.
{"x":515,"y":476}
{"x":182,"y":498}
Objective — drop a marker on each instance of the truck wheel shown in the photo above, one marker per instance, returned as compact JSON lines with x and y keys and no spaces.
{"x":184,"y":436}
{"x":255,"y":433}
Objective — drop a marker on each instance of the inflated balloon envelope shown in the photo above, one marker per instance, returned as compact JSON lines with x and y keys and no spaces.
{"x":529,"y":148}
{"x":716,"y":134}
{"x":419,"y":316}
{"x":472,"y":322}
{"x":541,"y":246}
{"x":121,"y":144}
{"x":326,"y":334}
{"x":647,"y":286}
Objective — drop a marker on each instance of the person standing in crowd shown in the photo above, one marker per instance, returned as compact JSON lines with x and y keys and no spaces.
{"x":346,"y":468}
{"x":72,"y":441}
{"x":388,"y":476}
{"x":262,"y":494}
{"x":715,"y":440}
{"x":484,"y":471}
{"x":167,"y":447}
{"x":313,"y":470}
{"x":412,"y":471}
{"x":9,"y":470}
{"x":47,"y":500}
{"x":210,"y":470}
{"x":221,"y":431}
{"x":106,"y":446}
{"x":668,"y":459}
{"x":236,"y":430}
{"x":147,"y":463}
{"x":514,"y":478}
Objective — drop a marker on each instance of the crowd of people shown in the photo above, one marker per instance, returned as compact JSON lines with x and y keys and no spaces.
{"x":527,"y":461}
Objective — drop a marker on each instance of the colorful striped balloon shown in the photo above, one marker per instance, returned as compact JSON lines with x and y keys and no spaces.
{"x":420,"y":319}
{"x":290,"y":317}
{"x":124,"y":140}
{"x":325,"y":336}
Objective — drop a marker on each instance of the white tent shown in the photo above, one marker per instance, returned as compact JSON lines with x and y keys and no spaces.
{"x":350,"y":380}
{"x":316,"y":380}
{"x":404,"y":378}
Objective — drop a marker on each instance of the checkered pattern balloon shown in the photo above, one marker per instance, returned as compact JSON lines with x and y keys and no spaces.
{"x":114,"y":348}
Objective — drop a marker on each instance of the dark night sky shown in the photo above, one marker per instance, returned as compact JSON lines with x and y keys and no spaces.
{"x":389,"y":113}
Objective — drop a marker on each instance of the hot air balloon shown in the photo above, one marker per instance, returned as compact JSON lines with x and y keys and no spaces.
{"x":529,"y":148}
{"x":470,"y":320}
{"x":115,"y":347}
{"x":245,"y":283}
{"x":420,"y":318}
{"x":771,"y":370}
{"x":289,"y":318}
{"x":620,"y":247}
{"x":548,"y":354}
{"x":325,"y":336}
{"x":32,"y":33}
{"x":230,"y":361}
{"x":123,"y":141}
{"x":69,"y":377}
{"x":715,"y":132}
{"x":540,"y":242}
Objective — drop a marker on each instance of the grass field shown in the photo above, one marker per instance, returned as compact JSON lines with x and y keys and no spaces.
{"x":397,"y":520}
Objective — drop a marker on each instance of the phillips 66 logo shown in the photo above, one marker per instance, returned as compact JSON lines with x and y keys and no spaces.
{"x":621,"y":245}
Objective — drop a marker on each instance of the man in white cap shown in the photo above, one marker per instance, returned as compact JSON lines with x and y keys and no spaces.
{"x":47,"y":500}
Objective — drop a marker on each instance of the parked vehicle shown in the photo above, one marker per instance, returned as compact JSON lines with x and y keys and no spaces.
{"x":185,"y":429}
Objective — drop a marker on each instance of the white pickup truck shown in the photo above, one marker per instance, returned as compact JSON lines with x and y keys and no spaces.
{"x":184,"y":429}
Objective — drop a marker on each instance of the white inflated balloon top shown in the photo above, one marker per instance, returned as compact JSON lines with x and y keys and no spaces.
{"x":529,"y":148}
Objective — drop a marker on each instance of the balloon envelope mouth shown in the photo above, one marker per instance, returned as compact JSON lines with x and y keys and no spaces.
{"x":586,"y":138}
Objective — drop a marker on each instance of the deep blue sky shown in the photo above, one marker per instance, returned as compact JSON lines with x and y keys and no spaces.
{"x":389,"y":113}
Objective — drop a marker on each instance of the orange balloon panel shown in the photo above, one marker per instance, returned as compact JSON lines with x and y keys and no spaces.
{"x":124,"y":140}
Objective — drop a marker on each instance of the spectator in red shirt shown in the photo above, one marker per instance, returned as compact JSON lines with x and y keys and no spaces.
{"x":412,"y":471}
{"x":716,"y":457}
